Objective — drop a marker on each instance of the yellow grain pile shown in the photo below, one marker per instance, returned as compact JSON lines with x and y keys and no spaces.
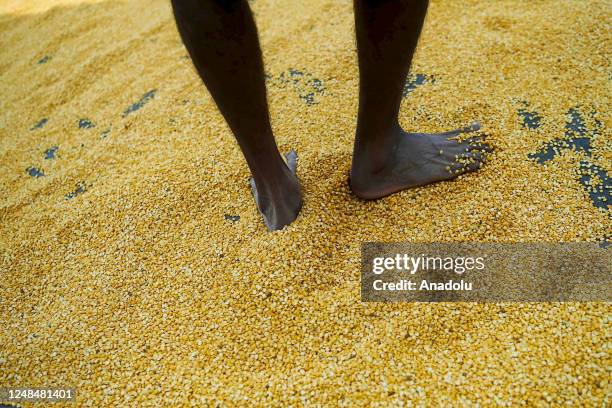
{"x":126,"y":273}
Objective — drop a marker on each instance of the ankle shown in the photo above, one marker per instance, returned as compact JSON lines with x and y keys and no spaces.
{"x":267,"y":171}
{"x":278,"y":184}
{"x":371,"y":155}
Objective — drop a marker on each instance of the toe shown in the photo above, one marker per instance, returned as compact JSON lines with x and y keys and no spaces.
{"x":477,"y":143}
{"x":474,"y":127}
{"x":482,"y":147}
{"x":478,"y":156}
{"x":456,"y":169}
{"x":467,"y":162}
{"x":460,"y":168}
{"x":475,"y":156}
{"x":475,"y":165}
{"x":480,"y":139}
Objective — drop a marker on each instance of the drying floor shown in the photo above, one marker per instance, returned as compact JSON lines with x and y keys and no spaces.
{"x":135,"y":267}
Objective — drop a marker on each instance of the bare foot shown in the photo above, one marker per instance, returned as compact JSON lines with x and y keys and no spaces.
{"x":280,"y":201}
{"x":416,"y":159}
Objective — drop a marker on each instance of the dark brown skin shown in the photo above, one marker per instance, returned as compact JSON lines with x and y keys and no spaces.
{"x":222,"y":40}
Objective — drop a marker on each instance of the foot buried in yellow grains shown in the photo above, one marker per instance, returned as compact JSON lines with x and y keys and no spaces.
{"x":280,"y":202}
